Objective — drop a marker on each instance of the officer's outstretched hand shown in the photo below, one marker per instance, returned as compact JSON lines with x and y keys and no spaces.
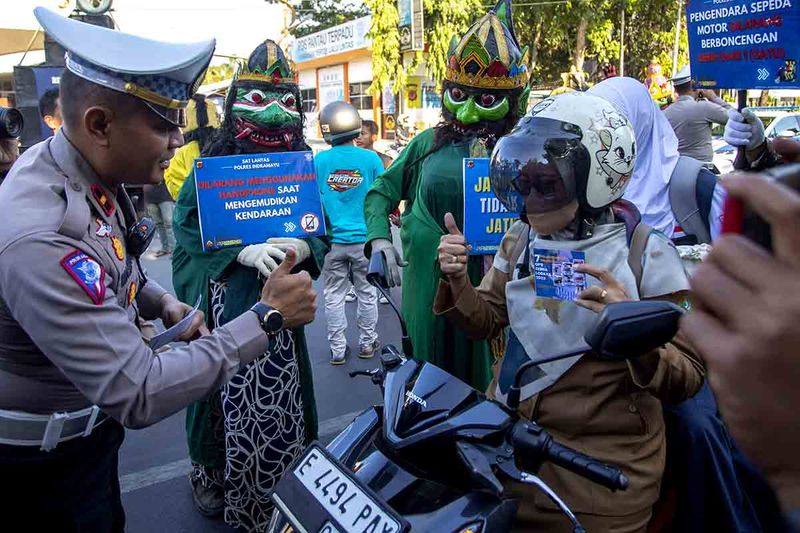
{"x":291,"y":294}
{"x":173,"y":311}
{"x":453,"y":250}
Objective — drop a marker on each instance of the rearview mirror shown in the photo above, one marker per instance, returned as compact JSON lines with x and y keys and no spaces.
{"x":629,"y":329}
{"x":376,"y":274}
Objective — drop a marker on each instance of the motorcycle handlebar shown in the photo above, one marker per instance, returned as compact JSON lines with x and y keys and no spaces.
{"x":537,"y":446}
{"x":585,"y":466}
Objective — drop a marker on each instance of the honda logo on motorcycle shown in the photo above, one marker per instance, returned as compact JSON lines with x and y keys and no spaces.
{"x":411,"y":397}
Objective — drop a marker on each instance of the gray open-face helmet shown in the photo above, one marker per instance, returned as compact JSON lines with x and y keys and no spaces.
{"x":339,"y":122}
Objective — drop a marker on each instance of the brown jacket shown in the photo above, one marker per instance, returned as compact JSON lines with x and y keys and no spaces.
{"x":609,"y":410}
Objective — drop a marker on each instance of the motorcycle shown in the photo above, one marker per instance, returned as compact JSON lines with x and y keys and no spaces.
{"x":435,"y":455}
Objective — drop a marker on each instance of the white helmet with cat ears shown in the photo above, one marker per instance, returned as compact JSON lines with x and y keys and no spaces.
{"x":573,"y":146}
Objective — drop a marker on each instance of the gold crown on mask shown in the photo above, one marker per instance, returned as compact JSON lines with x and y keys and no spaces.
{"x":267,"y":64}
{"x":489,"y":56}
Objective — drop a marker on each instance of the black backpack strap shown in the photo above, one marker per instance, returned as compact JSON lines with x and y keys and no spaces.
{"x":706,"y":184}
{"x":683,"y":198}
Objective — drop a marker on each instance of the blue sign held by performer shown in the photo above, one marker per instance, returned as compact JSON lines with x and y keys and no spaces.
{"x":744,"y":44}
{"x":247,"y":199}
{"x":486,"y":220}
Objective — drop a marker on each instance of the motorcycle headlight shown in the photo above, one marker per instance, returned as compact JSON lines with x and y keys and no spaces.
{"x":472,"y":528}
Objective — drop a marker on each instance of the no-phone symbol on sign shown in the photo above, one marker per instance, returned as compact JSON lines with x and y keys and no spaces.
{"x":309,"y":223}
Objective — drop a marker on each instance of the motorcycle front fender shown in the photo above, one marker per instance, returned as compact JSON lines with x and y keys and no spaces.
{"x":351,"y":443}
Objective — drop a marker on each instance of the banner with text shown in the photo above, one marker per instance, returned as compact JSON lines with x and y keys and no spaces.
{"x":486,"y":220}
{"x":744,"y":44}
{"x":247,"y":199}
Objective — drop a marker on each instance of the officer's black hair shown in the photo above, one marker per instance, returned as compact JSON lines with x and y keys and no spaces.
{"x":47,"y":103}
{"x":78,"y":95}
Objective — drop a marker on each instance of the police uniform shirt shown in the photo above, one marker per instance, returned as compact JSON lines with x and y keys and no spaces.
{"x":68,"y":298}
{"x":691,"y":120}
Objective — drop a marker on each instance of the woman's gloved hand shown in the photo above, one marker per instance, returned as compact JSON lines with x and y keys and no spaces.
{"x":263,"y":257}
{"x":300,"y":246}
{"x":744,"y":129}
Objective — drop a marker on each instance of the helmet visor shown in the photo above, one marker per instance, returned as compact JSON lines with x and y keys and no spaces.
{"x":536,"y":166}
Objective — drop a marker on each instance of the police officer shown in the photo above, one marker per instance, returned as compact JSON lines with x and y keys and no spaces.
{"x":73,"y":366}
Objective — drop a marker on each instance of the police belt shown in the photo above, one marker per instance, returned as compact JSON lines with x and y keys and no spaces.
{"x":47,"y":431}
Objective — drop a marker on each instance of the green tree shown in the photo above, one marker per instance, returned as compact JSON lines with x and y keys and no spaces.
{"x":217,"y":73}
{"x":567,"y":34}
{"x":310,"y":16}
{"x":445,"y":19}
{"x":387,"y":65}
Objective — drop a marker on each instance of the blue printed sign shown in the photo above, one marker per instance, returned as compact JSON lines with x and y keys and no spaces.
{"x":247,"y":199}
{"x":486,"y":220}
{"x":744,"y":44}
{"x":555,"y":276}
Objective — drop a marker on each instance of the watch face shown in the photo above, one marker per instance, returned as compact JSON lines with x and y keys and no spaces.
{"x":274,"y":321}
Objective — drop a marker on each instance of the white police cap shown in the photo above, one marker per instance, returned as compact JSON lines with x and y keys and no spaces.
{"x":163,"y":75}
{"x":683,"y":76}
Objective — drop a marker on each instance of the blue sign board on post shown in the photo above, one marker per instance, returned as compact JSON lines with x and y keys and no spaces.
{"x":744,"y":44}
{"x":247,"y":199}
{"x":486,"y":220}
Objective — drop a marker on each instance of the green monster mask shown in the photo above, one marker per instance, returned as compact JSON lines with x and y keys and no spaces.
{"x":266,"y":104}
{"x":484,"y":69}
{"x":472,"y":108}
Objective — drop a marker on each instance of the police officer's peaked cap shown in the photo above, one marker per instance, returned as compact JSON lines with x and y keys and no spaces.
{"x":163,"y":75}
{"x":683,"y":76}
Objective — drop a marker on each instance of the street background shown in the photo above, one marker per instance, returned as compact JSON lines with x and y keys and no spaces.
{"x":154,"y":463}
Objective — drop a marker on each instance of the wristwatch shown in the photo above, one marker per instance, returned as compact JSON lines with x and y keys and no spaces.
{"x":271,"y":319}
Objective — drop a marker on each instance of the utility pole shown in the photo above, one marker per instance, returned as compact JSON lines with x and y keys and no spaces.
{"x":677,"y":38}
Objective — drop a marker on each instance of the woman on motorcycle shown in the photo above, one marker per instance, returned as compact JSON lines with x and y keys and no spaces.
{"x":565,"y":168}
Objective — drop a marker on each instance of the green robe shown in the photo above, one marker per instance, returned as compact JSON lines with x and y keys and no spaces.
{"x":431,"y":186}
{"x":192,"y":268}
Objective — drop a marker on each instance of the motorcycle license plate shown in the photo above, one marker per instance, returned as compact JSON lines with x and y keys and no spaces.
{"x":319,"y":495}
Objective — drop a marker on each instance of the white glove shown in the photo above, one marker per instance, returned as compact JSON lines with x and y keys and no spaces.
{"x":744,"y":129}
{"x":393,"y":261}
{"x":300,"y":246}
{"x":263,"y":257}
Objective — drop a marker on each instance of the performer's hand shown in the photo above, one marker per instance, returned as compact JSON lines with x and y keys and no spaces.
{"x":453,"y":250}
{"x":263,"y":257}
{"x":596,"y":297}
{"x":392,"y":258}
{"x":300,"y":246}
{"x":173,"y":311}
{"x":291,"y":294}
{"x":395,"y":220}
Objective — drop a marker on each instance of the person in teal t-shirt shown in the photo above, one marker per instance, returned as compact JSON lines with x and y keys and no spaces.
{"x":345,"y":174}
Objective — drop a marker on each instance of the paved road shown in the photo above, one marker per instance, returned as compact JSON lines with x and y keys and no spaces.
{"x":154,"y":462}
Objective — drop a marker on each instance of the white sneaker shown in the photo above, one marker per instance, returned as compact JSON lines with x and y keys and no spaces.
{"x":383,"y":299}
{"x":350,"y":296}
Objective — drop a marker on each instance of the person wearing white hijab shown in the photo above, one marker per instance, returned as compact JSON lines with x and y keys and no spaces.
{"x":657,"y":157}
{"x":708,"y":473}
